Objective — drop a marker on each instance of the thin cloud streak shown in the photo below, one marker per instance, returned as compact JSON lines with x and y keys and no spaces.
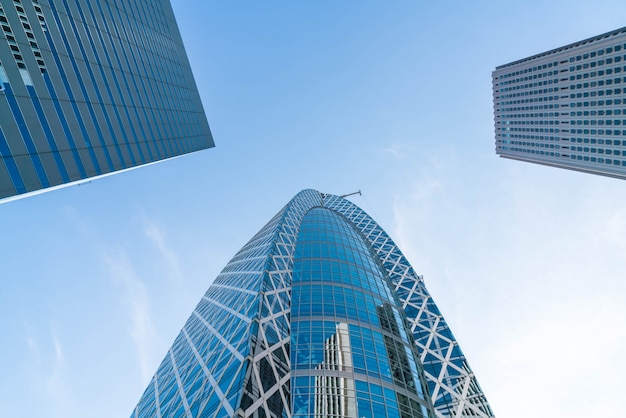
{"x":135,"y":296}
{"x":157,"y":236}
{"x":50,"y":373}
{"x":58,"y":350}
{"x":57,"y":384}
{"x":400,"y":152}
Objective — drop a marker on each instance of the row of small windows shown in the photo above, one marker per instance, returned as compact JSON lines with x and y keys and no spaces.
{"x":545,"y":130}
{"x":535,"y":107}
{"x":607,"y":161}
{"x":607,"y":92}
{"x":599,"y":151}
{"x":600,"y":122}
{"x":599,"y":53}
{"x":531,"y":85}
{"x":595,"y":64}
{"x":600,"y":83}
{"x":599,"y":141}
{"x":599,"y":160}
{"x":533,"y":144}
{"x":530,"y":100}
{"x":599,"y":73}
{"x":598,"y":132}
{"x":573,"y":148}
{"x":608,"y":102}
{"x":536,"y":137}
{"x":607,"y":112}
{"x":531,"y":92}
{"x":532,"y":151}
{"x":528,"y":78}
{"x":531,"y":122}
{"x":530,"y":70}
{"x":534,"y":115}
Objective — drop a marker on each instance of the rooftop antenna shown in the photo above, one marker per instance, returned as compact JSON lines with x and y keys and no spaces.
{"x":350,"y":194}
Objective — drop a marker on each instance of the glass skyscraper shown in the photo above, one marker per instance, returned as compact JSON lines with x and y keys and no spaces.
{"x":566,"y":107}
{"x":318,"y":315}
{"x":90,"y":87}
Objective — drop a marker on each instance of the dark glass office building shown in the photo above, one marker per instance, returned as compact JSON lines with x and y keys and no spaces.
{"x":319,"y":315}
{"x":90,"y":87}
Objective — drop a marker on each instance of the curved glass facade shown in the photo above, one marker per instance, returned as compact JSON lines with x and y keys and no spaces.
{"x":350,"y":352}
{"x":319,"y":315}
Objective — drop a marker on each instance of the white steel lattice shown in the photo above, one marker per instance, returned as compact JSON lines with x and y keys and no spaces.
{"x":453,"y":387}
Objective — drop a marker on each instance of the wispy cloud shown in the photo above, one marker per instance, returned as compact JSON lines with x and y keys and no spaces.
{"x":31,"y":342}
{"x":156,"y":235}
{"x":411,"y":210}
{"x":400,"y":151}
{"x":58,"y":349}
{"x":134,"y":293}
{"x":51,"y":376}
{"x":57,"y":386}
{"x":136,"y":298}
{"x":529,"y":277}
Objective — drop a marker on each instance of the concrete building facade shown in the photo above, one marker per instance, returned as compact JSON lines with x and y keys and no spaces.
{"x":566,"y":107}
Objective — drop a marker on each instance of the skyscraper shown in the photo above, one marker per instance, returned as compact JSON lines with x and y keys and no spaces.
{"x":566,"y":107}
{"x":318,"y":315}
{"x":91,"y":87}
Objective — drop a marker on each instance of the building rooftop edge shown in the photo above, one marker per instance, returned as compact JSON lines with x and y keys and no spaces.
{"x":563,"y":48}
{"x":555,"y":164}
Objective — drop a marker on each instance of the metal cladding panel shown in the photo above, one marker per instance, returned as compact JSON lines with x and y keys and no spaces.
{"x":92,"y":87}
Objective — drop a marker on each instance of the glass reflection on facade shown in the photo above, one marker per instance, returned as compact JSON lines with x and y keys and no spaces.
{"x":319,"y":315}
{"x":345,"y":329}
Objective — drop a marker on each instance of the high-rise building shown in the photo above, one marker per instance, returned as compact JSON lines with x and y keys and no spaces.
{"x":90,"y":87}
{"x":318,"y":315}
{"x":566,"y":107}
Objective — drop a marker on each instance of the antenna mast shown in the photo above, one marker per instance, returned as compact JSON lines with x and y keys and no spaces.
{"x":350,"y":194}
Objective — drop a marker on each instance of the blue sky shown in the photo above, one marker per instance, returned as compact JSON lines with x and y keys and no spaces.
{"x":526,"y":262}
